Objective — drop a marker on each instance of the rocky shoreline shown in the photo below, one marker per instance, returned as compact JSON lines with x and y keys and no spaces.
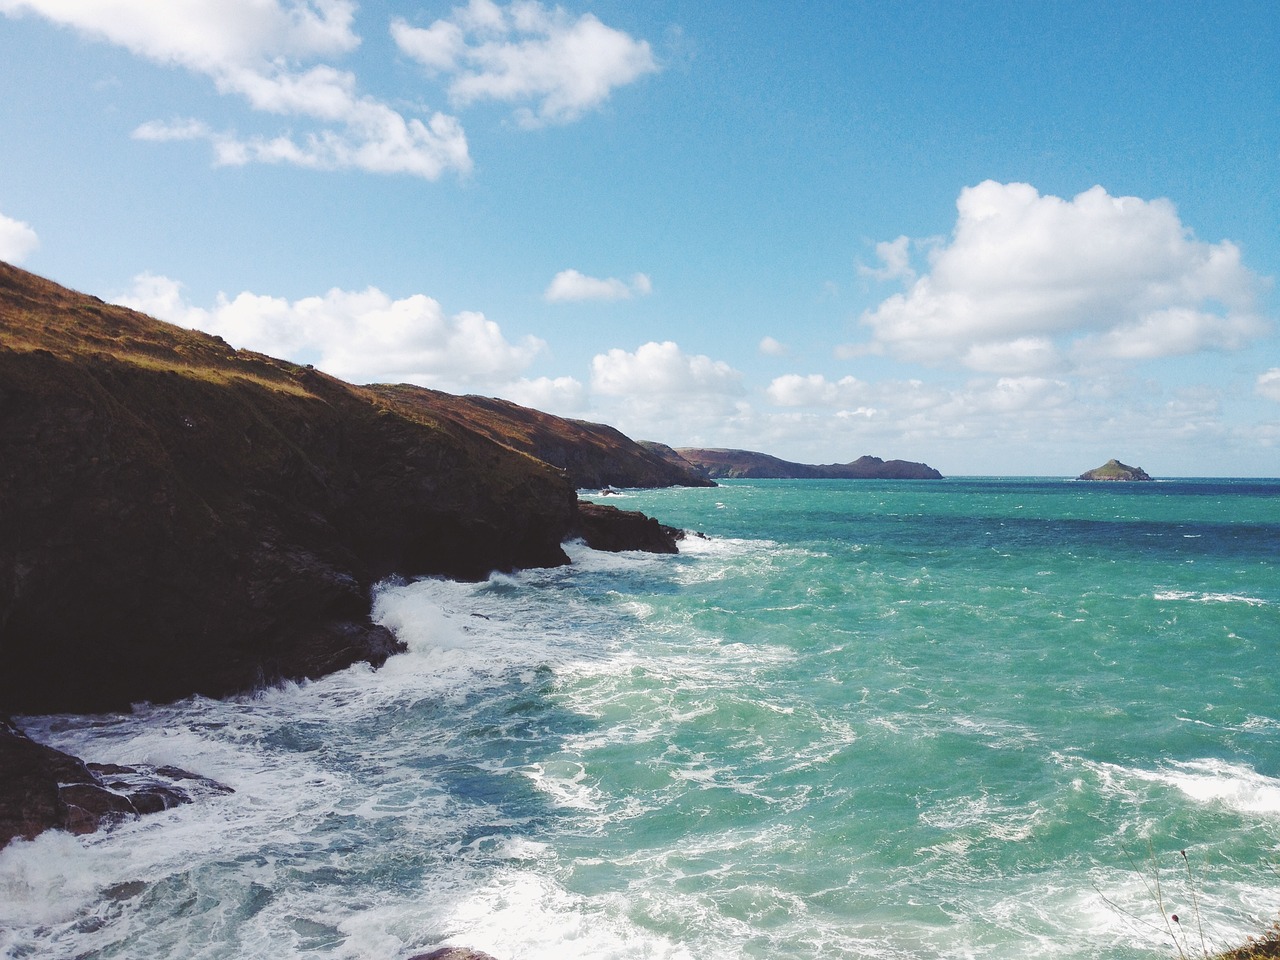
{"x":184,"y":518}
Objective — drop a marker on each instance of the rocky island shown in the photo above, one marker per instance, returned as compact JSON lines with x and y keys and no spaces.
{"x":183,"y":518}
{"x":1114,"y":470}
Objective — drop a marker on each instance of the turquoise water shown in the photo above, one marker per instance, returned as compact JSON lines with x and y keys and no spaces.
{"x":954,"y":719}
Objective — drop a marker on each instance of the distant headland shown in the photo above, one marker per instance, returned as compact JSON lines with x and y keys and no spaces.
{"x":1114,"y":470}
{"x":748,"y":465}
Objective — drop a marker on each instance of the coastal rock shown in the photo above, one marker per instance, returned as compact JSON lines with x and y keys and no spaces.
{"x":43,"y":789}
{"x":1114,"y":470}
{"x":746,"y":464}
{"x":185,"y":518}
{"x":605,"y":527}
{"x":182,"y":518}
{"x":453,"y":953}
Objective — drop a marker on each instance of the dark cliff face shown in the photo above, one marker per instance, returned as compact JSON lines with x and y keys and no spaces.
{"x":180,"y":517}
{"x":745,"y":464}
{"x":592,"y":454}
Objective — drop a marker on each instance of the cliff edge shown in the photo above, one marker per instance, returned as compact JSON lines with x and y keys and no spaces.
{"x":181,"y":517}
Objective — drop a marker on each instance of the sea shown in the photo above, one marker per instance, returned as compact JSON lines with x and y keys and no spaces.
{"x":969,"y":718}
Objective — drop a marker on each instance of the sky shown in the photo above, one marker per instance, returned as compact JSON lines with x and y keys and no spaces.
{"x":1002,"y":238}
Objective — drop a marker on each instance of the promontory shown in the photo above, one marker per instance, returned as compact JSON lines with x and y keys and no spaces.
{"x":181,"y":517}
{"x":748,"y":465}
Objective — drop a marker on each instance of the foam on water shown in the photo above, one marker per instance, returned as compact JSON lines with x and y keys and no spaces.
{"x":842,"y":726}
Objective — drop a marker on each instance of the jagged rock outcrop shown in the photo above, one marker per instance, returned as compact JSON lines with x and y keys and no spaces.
{"x":605,"y":527}
{"x":43,"y":788}
{"x":1114,"y":470}
{"x":453,"y":953}
{"x":592,"y":454}
{"x":746,"y":464}
{"x":181,"y":517}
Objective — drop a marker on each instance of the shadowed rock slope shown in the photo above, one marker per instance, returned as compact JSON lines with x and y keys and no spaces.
{"x":745,"y":464}
{"x":180,"y":517}
{"x":592,"y":454}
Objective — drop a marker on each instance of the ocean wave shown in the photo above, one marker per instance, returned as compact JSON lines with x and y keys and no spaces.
{"x":1234,"y":786}
{"x":1194,"y":597}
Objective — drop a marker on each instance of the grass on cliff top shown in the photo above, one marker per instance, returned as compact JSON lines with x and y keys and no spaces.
{"x":37,"y":314}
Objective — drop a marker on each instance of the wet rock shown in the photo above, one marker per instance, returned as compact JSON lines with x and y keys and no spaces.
{"x":605,"y":527}
{"x":45,"y":789}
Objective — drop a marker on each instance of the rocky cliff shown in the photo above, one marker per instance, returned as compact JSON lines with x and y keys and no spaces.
{"x":745,"y":464}
{"x":592,"y":454}
{"x":181,"y":517}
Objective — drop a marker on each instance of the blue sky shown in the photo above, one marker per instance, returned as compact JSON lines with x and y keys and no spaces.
{"x":1001,"y":238}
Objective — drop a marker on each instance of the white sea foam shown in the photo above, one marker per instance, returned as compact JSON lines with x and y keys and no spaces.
{"x":1194,"y":597}
{"x":1234,"y":786}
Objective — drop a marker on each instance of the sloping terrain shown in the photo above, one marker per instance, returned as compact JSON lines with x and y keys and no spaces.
{"x":594,"y":455}
{"x":180,"y":517}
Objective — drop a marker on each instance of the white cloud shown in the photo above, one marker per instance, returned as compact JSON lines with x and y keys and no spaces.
{"x":559,"y":395}
{"x":207,"y":35}
{"x":770,"y":347}
{"x":362,"y":336}
{"x":661,"y":369}
{"x":1268,"y":384}
{"x":815,"y":390}
{"x":17,"y":240}
{"x":570,"y":285}
{"x":1028,"y":282}
{"x":1172,"y":332}
{"x":526,"y":52}
{"x":895,"y":259}
{"x":256,"y":49}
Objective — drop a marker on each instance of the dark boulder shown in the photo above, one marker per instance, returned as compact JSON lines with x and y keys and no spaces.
{"x":604,"y":527}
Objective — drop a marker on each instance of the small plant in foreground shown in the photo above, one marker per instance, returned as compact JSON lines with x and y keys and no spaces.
{"x":1187,"y":930}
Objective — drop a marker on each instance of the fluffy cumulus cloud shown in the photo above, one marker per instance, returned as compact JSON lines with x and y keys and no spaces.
{"x":662,"y":370}
{"x":553,"y":66}
{"x":17,"y":240}
{"x":264,"y":51}
{"x":570,"y":285}
{"x":1031,"y":284}
{"x":360,"y":336}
